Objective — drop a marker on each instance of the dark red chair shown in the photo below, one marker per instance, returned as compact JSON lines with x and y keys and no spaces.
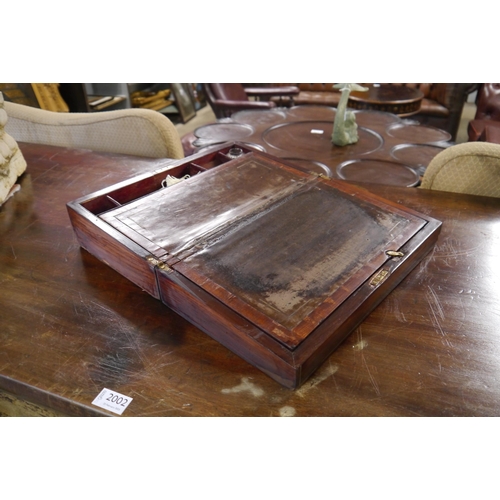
{"x":486,"y":123}
{"x":227,"y":98}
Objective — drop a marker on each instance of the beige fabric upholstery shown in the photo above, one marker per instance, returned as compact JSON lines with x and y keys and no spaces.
{"x":471,"y":168}
{"x":137,"y":132}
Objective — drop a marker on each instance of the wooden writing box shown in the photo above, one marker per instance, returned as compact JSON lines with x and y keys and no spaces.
{"x":277,"y":264}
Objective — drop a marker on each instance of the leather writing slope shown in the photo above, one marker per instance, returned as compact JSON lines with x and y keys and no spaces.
{"x":277,"y":264}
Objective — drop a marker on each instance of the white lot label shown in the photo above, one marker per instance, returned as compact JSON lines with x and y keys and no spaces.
{"x":112,"y":401}
{"x":317,"y":131}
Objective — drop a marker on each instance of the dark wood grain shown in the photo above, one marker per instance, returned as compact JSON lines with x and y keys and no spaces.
{"x":70,"y":325}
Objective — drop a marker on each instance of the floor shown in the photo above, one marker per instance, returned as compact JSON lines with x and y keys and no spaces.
{"x":467,"y":115}
{"x":203,"y":116}
{"x":206,"y":115}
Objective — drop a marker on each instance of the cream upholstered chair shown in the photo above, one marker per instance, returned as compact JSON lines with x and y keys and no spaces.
{"x":137,"y":132}
{"x":471,"y":168}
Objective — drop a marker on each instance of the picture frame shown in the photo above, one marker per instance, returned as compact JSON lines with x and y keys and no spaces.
{"x":184,"y":101}
{"x":198,"y":95}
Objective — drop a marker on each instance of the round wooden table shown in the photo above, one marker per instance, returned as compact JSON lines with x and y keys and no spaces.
{"x":397,"y":99}
{"x":302,"y":135}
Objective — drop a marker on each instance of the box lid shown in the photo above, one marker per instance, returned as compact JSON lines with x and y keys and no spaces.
{"x":281,"y":247}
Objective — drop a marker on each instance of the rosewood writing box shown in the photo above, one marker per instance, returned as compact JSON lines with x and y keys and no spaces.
{"x":276,"y":263}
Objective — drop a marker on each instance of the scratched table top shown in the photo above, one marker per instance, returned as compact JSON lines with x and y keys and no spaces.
{"x":71,"y":326}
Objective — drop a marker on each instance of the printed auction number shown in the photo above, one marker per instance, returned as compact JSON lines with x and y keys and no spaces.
{"x":119,"y":400}
{"x":112,"y":401}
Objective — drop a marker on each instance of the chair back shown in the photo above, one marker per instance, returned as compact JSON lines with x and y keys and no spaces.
{"x":488,"y":102}
{"x":137,"y":132}
{"x":228,"y":91}
{"x":220,"y":94}
{"x":469,"y":168}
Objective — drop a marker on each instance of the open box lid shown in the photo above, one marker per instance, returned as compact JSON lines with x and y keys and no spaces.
{"x":281,"y":247}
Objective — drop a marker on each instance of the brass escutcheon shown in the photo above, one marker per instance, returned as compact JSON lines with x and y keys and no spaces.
{"x":379,"y":278}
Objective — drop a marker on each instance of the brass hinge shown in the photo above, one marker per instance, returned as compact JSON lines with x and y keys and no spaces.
{"x":158,"y":263}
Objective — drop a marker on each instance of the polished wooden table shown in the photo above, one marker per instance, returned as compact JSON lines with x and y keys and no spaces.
{"x":71,"y":326}
{"x":390,"y":150}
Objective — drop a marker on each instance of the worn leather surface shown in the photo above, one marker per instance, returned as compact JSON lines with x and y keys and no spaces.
{"x":431,"y":107}
{"x":228,"y":91}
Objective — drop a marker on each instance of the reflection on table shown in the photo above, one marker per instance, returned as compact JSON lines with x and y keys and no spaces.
{"x":390,"y":150}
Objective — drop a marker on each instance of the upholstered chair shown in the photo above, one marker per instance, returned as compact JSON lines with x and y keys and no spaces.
{"x":136,"y":132}
{"x":228,"y":98}
{"x":470,"y":168}
{"x":487,"y":117}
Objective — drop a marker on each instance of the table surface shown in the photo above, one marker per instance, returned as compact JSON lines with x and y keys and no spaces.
{"x":71,"y":326}
{"x":302,"y":134}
